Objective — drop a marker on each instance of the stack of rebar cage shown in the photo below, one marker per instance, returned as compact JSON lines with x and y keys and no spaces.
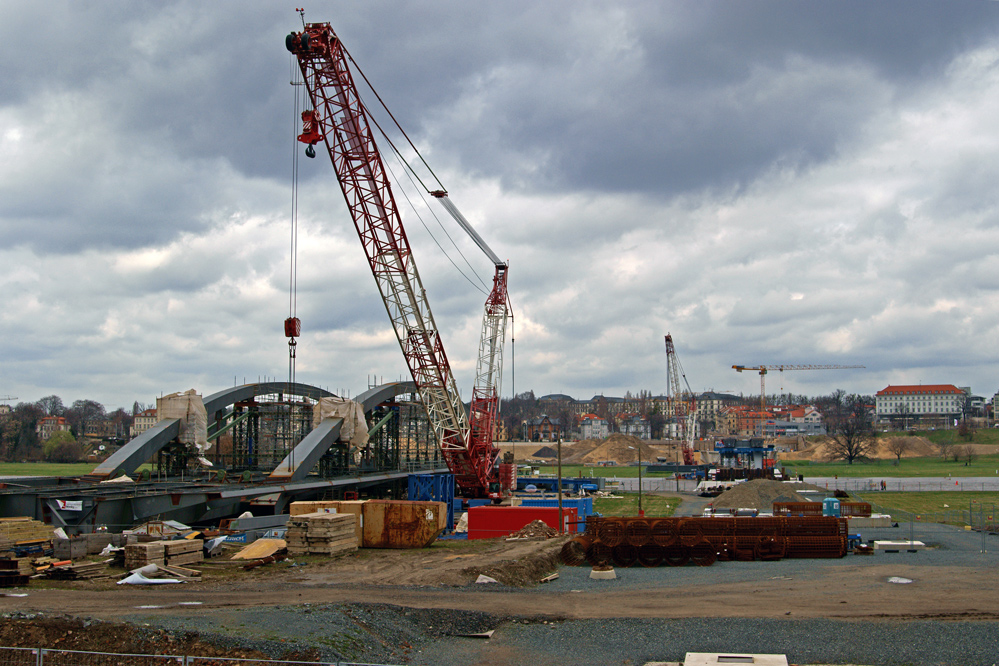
{"x":651,"y":542}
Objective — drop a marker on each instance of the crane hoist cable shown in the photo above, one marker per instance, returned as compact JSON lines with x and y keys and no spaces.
{"x":293,"y":325}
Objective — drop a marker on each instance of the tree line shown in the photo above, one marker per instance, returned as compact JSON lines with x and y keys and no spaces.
{"x":20,"y":440}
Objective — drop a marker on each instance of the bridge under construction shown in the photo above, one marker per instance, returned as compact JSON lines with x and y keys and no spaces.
{"x":266,"y":448}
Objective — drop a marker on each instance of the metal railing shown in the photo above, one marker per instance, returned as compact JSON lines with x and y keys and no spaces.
{"x":15,"y":656}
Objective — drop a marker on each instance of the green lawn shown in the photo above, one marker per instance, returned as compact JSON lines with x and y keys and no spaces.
{"x":658,"y":506}
{"x":984,"y":465}
{"x":938,"y":506}
{"x":46,"y":469}
{"x":621,"y":471}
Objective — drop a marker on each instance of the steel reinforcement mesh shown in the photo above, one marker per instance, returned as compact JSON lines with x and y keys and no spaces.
{"x":650,"y":542}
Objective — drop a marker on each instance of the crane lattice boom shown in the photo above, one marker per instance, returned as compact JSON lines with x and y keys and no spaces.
{"x":339,"y":120}
{"x":682,"y":403}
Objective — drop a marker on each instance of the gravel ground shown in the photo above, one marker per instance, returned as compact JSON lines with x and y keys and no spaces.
{"x":389,"y":634}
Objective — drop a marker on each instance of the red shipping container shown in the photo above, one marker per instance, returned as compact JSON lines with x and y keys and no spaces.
{"x":488,"y":522}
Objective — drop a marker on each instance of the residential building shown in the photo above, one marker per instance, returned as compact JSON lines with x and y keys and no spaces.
{"x":927,"y":405}
{"x":592,"y":426}
{"x":635,"y":425}
{"x":50,"y":425}
{"x":142,"y":422}
{"x":543,"y":429}
{"x":710,"y":406}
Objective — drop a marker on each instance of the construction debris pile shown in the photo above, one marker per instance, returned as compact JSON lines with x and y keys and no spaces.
{"x":652,"y":542}
{"x":537,"y":529}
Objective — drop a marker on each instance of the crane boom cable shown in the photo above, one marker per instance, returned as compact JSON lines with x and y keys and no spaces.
{"x":389,"y":112}
{"x":436,"y":242}
{"x":449,"y":206}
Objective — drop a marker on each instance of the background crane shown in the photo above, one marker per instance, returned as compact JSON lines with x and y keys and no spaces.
{"x":682,"y":403}
{"x":763,"y":369}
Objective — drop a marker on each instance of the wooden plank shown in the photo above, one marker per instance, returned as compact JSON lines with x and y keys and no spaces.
{"x":185,"y":558}
{"x":260,"y":549}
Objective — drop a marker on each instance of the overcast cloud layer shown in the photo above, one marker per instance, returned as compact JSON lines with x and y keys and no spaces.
{"x":769,"y":181}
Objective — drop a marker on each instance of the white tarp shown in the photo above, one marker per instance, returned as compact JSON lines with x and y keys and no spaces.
{"x":190,"y":409}
{"x":354,"y":429}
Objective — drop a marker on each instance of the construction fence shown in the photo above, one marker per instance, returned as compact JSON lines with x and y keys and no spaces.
{"x":13,"y":656}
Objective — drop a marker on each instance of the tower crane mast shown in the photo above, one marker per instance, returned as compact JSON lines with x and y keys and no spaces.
{"x":340,"y":121}
{"x":764,"y":369}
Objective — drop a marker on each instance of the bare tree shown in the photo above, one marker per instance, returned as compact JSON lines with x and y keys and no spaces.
{"x":851,"y":426}
{"x":902,"y":416}
{"x":965,"y":430}
{"x":52,"y":405}
{"x":968,"y":453}
{"x":945,"y":447}
{"x":898,"y":446}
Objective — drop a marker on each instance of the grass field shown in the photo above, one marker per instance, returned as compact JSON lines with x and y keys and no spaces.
{"x":934,"y":501}
{"x":984,"y":465}
{"x":46,"y":469}
{"x":621,"y":471}
{"x":657,"y":506}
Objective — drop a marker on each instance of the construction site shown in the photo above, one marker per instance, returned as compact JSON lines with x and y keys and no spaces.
{"x":278,"y":522}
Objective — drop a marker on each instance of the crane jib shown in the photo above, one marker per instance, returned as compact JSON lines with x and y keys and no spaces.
{"x":338,"y":120}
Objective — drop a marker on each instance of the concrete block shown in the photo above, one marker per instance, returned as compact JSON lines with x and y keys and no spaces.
{"x":899,"y":546}
{"x":712,"y":658}
{"x":69,"y":549}
{"x":97,"y":541}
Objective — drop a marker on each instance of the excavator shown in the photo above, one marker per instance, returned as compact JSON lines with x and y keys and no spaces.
{"x":339,"y":121}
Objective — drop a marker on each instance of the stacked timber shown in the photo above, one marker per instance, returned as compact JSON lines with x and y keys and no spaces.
{"x":83,"y":571}
{"x":321,"y":534}
{"x":140,"y":554}
{"x":15,"y":530}
{"x":353,"y":507}
{"x":183,"y":551}
{"x":10,"y":576}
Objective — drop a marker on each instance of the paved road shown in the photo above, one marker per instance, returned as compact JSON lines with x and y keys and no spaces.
{"x":990,"y":483}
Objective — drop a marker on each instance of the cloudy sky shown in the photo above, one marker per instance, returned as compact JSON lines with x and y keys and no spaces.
{"x":769,"y":181}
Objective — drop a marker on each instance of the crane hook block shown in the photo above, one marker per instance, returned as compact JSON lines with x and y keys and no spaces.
{"x":310,"y":130}
{"x":292,"y":327}
{"x":310,"y":151}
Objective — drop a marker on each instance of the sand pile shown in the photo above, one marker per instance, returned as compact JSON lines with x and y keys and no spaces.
{"x":616,"y":447}
{"x":761,"y":494}
{"x":916,"y":447}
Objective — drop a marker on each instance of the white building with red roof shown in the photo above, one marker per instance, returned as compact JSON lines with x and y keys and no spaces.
{"x":937,"y":403}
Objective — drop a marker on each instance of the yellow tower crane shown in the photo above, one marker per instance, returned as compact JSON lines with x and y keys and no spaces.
{"x":763,"y":369}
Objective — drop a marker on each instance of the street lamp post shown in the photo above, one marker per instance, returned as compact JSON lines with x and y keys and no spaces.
{"x":641,"y":512}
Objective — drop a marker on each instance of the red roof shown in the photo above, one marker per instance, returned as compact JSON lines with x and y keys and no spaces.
{"x":921,"y":389}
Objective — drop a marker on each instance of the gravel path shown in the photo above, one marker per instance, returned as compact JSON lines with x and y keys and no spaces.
{"x":383,"y":633}
{"x":387,"y":634}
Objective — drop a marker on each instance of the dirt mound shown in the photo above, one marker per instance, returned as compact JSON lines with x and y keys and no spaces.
{"x":621,"y":448}
{"x":545,"y":452}
{"x":822,"y":450}
{"x":524,"y":571}
{"x":761,"y":494}
{"x":535,"y":530}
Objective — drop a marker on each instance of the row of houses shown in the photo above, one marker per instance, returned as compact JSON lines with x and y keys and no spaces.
{"x":902,"y":407}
